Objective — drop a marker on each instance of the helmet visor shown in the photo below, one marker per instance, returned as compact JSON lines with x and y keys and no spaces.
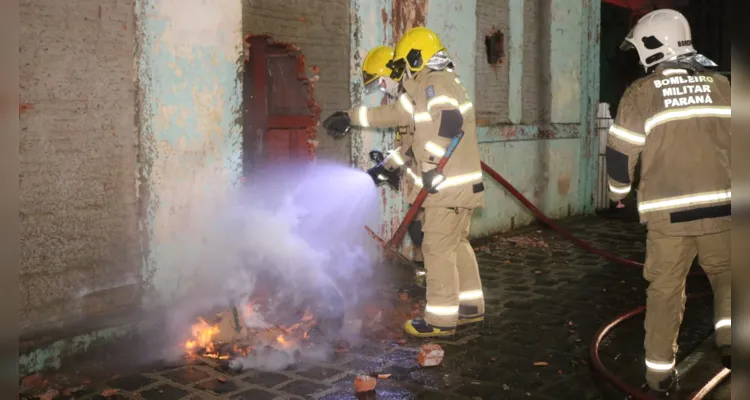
{"x":627,"y":44}
{"x":374,"y":86}
{"x":397,"y":67}
{"x":368,"y":78}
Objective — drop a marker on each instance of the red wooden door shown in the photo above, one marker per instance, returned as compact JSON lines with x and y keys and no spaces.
{"x":278,"y":124}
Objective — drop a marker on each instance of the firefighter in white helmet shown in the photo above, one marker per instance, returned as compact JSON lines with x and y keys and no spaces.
{"x":677,"y":119}
{"x":377,"y":76}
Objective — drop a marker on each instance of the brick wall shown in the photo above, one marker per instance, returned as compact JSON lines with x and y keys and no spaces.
{"x":320,"y":28}
{"x":491,"y":97}
{"x":491,"y":87}
{"x":78,"y":211}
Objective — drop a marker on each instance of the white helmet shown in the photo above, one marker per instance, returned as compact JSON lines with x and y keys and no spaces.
{"x":661,"y":35}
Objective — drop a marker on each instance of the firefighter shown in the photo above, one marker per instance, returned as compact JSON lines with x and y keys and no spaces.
{"x":376,"y":76}
{"x":677,"y":119}
{"x":438,"y":105}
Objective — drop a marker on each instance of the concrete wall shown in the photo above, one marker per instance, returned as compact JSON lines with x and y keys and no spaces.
{"x":529,"y":108}
{"x":320,"y":29}
{"x":80,"y":255}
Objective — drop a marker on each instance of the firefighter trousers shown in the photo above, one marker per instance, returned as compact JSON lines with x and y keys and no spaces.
{"x":452,"y":271}
{"x":417,"y":235}
{"x":668,"y":260}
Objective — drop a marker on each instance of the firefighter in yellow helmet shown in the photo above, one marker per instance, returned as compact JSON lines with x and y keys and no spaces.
{"x":438,"y":105}
{"x":677,"y":120}
{"x":376,"y":76}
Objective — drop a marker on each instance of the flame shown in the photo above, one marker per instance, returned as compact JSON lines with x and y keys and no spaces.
{"x":203,"y":334}
{"x":204,"y":337}
{"x":282,"y":341}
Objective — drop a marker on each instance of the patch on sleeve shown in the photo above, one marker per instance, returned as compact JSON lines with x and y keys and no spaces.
{"x":430,"y":92}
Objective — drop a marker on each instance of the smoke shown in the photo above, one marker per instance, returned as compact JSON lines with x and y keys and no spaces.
{"x":296,"y":238}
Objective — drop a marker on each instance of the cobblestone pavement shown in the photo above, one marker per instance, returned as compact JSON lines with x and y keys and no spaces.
{"x":545,"y":300}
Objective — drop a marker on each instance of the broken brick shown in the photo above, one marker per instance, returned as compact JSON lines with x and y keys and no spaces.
{"x":50,"y":395}
{"x":364,"y":383}
{"x":430,"y":355}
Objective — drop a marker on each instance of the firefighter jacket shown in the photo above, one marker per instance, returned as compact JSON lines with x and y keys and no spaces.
{"x":404,"y":156}
{"x":678,"y":122}
{"x":439,"y":108}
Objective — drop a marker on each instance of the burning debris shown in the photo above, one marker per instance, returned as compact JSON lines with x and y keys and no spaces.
{"x":234,"y":338}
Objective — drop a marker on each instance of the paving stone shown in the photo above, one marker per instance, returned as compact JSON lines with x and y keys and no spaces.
{"x":254,"y":394}
{"x":303,"y":388}
{"x":84,"y":391}
{"x":368,"y":350}
{"x":434,"y":378}
{"x":348,"y":395}
{"x":569,"y":390}
{"x":347,"y":381}
{"x":439,"y":395}
{"x":406,"y":358}
{"x":115,"y":397}
{"x":130,"y":383}
{"x":219,"y":386}
{"x":399,"y":373}
{"x":319,"y":373}
{"x":542,"y":305}
{"x":365,"y":366}
{"x":266,"y":379}
{"x":164,"y":392}
{"x":389,"y":389}
{"x":186,"y":376}
{"x":492,"y":391}
{"x":517,"y":288}
{"x":199,"y":397}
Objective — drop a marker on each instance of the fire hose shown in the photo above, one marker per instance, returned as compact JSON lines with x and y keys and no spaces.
{"x":597,"y":364}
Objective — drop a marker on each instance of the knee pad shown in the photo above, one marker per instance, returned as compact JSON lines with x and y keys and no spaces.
{"x":415,"y":233}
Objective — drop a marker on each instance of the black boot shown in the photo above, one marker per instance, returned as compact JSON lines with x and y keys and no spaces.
{"x":666,"y":385}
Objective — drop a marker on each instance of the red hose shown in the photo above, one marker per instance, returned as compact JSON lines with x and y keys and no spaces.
{"x":559,"y":229}
{"x":599,"y":367}
{"x":711,"y":385}
{"x":555,"y":227}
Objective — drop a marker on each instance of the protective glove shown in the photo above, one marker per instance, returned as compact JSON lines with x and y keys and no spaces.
{"x":432,"y":180}
{"x":338,"y":124}
{"x":380,"y":175}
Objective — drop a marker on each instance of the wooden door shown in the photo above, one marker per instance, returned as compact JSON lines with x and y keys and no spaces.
{"x":278,"y":125}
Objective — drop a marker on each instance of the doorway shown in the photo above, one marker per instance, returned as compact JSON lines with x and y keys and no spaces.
{"x":279,"y":125}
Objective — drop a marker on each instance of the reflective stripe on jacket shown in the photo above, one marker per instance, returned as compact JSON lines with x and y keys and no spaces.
{"x":678,"y":122}
{"x":439,"y":107}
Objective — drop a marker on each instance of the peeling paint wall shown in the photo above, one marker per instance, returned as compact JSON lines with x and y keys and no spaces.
{"x":374,"y":23}
{"x":565,"y":82}
{"x":189,"y":100}
{"x":529,"y":108}
{"x":539,"y":142}
{"x":383,"y":22}
{"x":455,"y":23}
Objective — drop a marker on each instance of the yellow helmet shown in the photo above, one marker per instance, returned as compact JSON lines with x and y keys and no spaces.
{"x":414,"y":49}
{"x":376,"y":63}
